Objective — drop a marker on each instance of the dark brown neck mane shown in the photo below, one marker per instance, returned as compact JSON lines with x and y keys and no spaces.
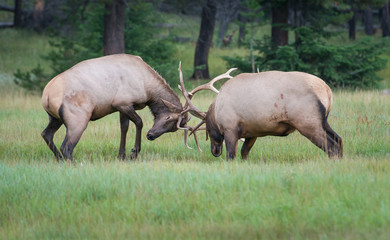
{"x":211,"y":124}
{"x":162,"y":91}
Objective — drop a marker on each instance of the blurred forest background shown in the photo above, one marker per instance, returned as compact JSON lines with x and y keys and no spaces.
{"x":343,"y":42}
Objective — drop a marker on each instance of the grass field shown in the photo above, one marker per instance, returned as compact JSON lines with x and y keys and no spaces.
{"x":287,"y":188}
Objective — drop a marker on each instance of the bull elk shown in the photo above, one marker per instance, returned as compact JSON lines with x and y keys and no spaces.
{"x":97,"y":87}
{"x":274,"y":103}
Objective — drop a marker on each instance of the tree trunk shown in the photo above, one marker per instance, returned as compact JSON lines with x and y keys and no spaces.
{"x":385,"y":20}
{"x":242,"y":20}
{"x":201,"y":68}
{"x":279,"y":34}
{"x":241,"y":30}
{"x":368,"y":21}
{"x":38,"y":14}
{"x":298,"y":9}
{"x":352,"y":26}
{"x":18,"y":13}
{"x":114,"y":25}
{"x":223,"y":27}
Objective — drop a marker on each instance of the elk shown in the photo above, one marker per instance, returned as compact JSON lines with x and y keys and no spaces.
{"x":97,"y":87}
{"x":228,"y":39}
{"x":272,"y":103}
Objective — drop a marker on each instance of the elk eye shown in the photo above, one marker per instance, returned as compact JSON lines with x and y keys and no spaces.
{"x":168,"y":118}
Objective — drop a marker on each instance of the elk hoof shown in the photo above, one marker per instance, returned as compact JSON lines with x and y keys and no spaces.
{"x":69,"y":162}
{"x":134,"y":154}
{"x":123,"y":157}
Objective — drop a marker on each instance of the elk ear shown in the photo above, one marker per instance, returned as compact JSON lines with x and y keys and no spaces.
{"x":171,"y":107}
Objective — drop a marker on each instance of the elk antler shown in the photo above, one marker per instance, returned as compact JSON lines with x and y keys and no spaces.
{"x":189,"y":107}
{"x":210,"y":85}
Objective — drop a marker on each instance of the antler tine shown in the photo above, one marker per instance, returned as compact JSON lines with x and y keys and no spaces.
{"x":180,"y":118}
{"x":186,"y":138}
{"x":210,"y":85}
{"x":189,"y":107}
{"x":181,"y":86}
{"x":197,"y":126}
{"x":196,"y":141}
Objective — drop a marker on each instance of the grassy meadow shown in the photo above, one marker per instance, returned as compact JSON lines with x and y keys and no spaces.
{"x":287,"y":189}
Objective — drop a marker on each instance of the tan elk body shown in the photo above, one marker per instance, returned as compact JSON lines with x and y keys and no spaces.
{"x":95,"y":88}
{"x":274,"y":103}
{"x":268,"y":103}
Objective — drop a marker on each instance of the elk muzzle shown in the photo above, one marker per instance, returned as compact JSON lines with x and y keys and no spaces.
{"x":164,"y":123}
{"x":157,"y":131}
{"x":216,"y":149}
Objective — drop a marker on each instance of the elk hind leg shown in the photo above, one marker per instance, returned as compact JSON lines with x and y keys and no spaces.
{"x":48,"y":134}
{"x":318,"y":136}
{"x":332,"y":136}
{"x":74,"y":129}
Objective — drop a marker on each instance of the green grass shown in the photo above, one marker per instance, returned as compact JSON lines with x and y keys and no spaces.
{"x":287,"y":188}
{"x":21,"y":49}
{"x":165,"y":199}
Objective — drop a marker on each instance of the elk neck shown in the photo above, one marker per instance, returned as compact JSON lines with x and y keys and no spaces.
{"x":155,"y":103}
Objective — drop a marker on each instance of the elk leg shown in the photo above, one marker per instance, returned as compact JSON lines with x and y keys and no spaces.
{"x":124,"y":121}
{"x":337,"y":140}
{"x":76,"y":121}
{"x":231,"y":140}
{"x":130,"y":113}
{"x":48,"y":134}
{"x":332,"y":146}
{"x":319,"y":137}
{"x":74,"y":130}
{"x":246,"y":147}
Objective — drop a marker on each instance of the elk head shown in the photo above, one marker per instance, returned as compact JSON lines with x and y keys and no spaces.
{"x":216,"y":143}
{"x":169,"y":121}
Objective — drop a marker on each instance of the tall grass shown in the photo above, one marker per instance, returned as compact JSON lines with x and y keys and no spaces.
{"x":165,"y":199}
{"x":362,"y":118}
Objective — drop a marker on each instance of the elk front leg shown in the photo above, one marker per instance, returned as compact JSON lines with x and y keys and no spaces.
{"x":130,"y":113}
{"x":231,"y":140}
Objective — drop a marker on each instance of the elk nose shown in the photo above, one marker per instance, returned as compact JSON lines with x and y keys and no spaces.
{"x":216,"y":151}
{"x":150,"y":137}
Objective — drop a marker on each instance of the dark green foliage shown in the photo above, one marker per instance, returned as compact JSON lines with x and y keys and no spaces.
{"x":85,"y":41}
{"x":354,"y":65}
{"x":142,"y":40}
{"x":35,"y":80}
